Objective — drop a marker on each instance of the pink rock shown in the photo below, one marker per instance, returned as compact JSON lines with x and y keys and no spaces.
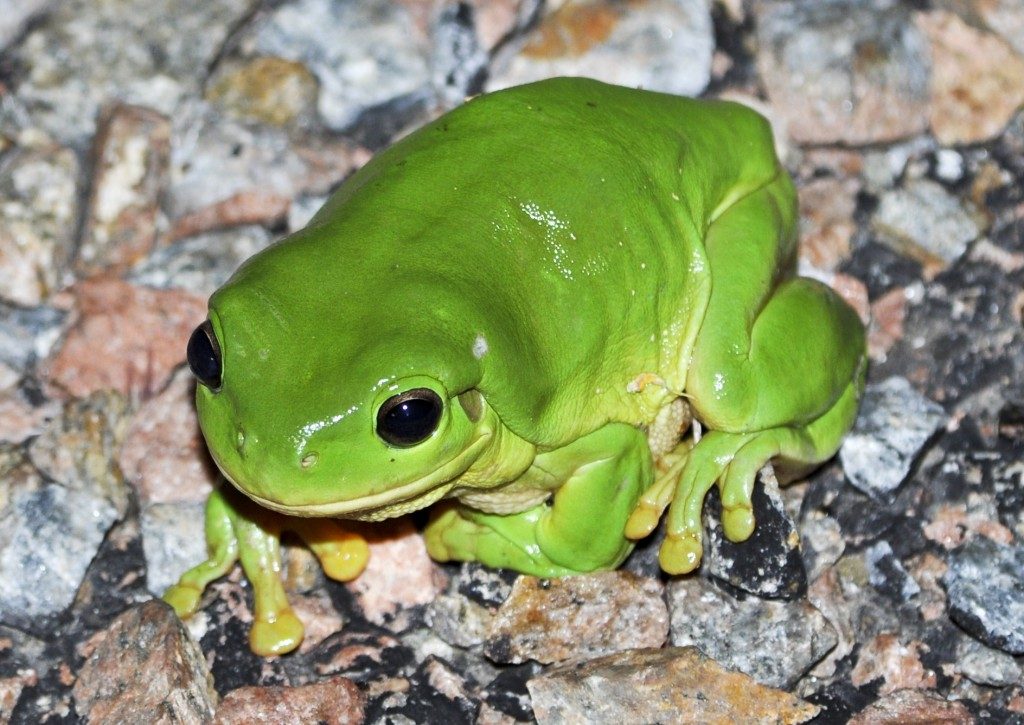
{"x":164,"y":456}
{"x":399,"y":574}
{"x":125,"y":338}
{"x":912,"y":707}
{"x":898,"y":665}
{"x":335,"y":701}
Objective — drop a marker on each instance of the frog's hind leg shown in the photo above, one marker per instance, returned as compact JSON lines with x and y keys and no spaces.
{"x":343,"y":554}
{"x":775,"y":373}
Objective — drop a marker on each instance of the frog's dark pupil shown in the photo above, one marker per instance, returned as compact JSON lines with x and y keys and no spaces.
{"x":410,"y":417}
{"x":203,"y":355}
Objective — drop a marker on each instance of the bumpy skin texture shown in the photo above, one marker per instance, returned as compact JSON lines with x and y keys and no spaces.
{"x":562,"y":263}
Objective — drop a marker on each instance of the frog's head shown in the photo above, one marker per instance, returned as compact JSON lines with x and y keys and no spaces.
{"x":368,"y":421}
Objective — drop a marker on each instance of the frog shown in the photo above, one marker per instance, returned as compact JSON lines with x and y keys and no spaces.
{"x":509,"y":316}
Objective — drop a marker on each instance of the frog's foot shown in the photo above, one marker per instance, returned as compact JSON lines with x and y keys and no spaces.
{"x":343,"y":554}
{"x":654,"y":501}
{"x":184,"y":596}
{"x":277,"y":635}
{"x":456,"y":533}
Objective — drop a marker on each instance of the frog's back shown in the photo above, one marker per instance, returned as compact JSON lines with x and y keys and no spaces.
{"x":556,"y":230}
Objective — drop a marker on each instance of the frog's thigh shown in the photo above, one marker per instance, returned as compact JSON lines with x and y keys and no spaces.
{"x":768,"y":354}
{"x":604,"y":474}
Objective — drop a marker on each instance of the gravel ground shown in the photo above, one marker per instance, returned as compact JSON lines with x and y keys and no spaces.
{"x":147,"y":147}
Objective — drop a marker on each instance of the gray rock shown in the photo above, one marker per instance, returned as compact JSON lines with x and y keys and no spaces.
{"x":821,"y":543}
{"x":203,"y":262}
{"x":48,"y":536}
{"x":844,"y":71}
{"x":39,"y":203}
{"x":363,"y":53}
{"x":173,"y":541}
{"x":987,"y":666}
{"x":773,"y":642}
{"x":148,"y":52}
{"x":459,"y":63}
{"x":16,"y":15}
{"x":886,"y":573}
{"x":894,"y":423}
{"x":27,"y":334}
{"x":660,"y":45}
{"x":459,"y":620}
{"x":923,"y":221}
{"x":985,"y":585}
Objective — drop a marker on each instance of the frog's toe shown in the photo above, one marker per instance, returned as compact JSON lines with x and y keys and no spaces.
{"x":644,"y":518}
{"x":276,"y":636}
{"x":738,"y":523}
{"x":347,"y":560}
{"x":183,"y":598}
{"x":680,"y":553}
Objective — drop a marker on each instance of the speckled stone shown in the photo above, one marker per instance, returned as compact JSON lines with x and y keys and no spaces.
{"x":985,"y":583}
{"x":923,"y":221}
{"x":776,"y":643}
{"x":913,"y":706}
{"x":977,"y":80}
{"x":896,"y":663}
{"x":660,"y":45}
{"x":27,"y":334}
{"x":887,"y":574}
{"x":147,"y":52}
{"x":846,"y":71}
{"x":333,"y":701}
{"x":39,"y":210}
{"x":132,"y":153}
{"x":987,"y":666}
{"x":675,"y":684}
{"x":549,"y":620}
{"x":145,"y":669}
{"x":173,"y":541}
{"x":113,"y":312}
{"x":894,"y":422}
{"x":267,"y":89}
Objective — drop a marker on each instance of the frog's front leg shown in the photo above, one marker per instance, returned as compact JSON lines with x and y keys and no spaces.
{"x":580,"y":530}
{"x":776,"y":372}
{"x":239,"y":530}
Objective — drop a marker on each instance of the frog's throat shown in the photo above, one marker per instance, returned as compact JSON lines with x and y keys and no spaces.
{"x":387,"y":504}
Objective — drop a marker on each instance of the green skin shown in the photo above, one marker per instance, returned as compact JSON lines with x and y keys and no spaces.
{"x":560,"y":262}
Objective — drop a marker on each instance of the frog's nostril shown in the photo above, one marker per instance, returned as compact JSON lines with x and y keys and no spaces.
{"x":240,"y":440}
{"x":309,"y":460}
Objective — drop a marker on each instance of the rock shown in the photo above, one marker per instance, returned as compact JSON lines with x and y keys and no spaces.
{"x":1005,"y":18}
{"x":164,"y":455}
{"x":458,"y":63}
{"x":675,"y":684}
{"x":201,"y":264}
{"x":146,"y":668}
{"x":913,"y":706}
{"x":977,"y":80}
{"x":985,"y":585}
{"x":39,"y":206}
{"x":898,"y":665}
{"x":362,"y":654}
{"x":250,"y":207}
{"x":19,"y":13}
{"x":173,"y":541}
{"x":826,"y":220}
{"x":333,"y":701}
{"x":924,"y":222}
{"x":893,"y":425}
{"x":86,"y":54}
{"x":267,"y":89}
{"x":848,"y":71}
{"x":888,"y":314}
{"x":887,"y":575}
{"x":217,"y":163}
{"x":10,"y":692}
{"x":363,"y":54}
{"x":436,"y":693}
{"x":768,"y":564}
{"x":48,"y":536}
{"x":399,"y":574}
{"x":776,"y":643}
{"x":19,"y":418}
{"x":27,"y":334}
{"x":549,"y":620}
{"x":78,"y":448}
{"x":660,"y":45}
{"x":821,"y":543}
{"x":132,"y":152}
{"x":459,"y":620}
{"x":104,"y":349}
{"x":987,"y":666}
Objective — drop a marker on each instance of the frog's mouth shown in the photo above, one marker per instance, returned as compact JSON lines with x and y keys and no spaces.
{"x":408,"y":497}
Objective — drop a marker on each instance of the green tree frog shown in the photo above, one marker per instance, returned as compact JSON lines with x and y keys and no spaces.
{"x":510,"y":313}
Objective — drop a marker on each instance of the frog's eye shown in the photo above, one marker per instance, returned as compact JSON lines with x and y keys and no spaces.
{"x":409,"y":418}
{"x":204,"y":356}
